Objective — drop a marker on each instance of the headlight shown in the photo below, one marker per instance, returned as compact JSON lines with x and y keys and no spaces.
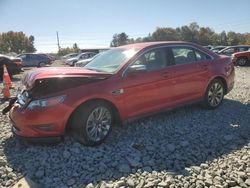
{"x":46,"y":103}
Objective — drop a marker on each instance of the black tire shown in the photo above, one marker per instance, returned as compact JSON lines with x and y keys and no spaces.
{"x":41,"y":64}
{"x":79,"y":126}
{"x":217,"y":96}
{"x":73,"y":64}
{"x":242,"y":61}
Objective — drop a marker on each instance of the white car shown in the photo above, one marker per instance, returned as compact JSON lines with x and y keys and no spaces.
{"x":82,"y":63}
{"x":81,"y":56}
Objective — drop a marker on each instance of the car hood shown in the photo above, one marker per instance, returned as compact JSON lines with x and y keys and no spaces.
{"x":60,"y":72}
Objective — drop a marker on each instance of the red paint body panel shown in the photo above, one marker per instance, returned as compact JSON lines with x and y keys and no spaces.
{"x":238,"y":55}
{"x":143,"y":93}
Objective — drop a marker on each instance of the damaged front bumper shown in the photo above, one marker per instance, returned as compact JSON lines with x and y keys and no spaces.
{"x":38,"y":125}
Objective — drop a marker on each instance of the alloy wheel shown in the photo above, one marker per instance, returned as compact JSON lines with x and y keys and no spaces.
{"x":98,"y":123}
{"x":215,"y":94}
{"x":242,"y":62}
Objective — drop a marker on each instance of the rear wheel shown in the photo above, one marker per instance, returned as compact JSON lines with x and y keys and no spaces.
{"x":214,"y":94}
{"x":242,"y":61}
{"x":92,"y":123}
{"x":42,"y":64}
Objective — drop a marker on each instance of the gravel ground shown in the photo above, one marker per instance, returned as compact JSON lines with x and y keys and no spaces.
{"x":187,"y":147}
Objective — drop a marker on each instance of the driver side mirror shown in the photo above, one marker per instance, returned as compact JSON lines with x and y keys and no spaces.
{"x":136,"y":69}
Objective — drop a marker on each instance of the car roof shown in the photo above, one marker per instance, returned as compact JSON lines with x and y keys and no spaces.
{"x":142,"y":45}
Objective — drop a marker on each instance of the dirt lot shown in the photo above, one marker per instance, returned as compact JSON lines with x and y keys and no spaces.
{"x":187,"y":147}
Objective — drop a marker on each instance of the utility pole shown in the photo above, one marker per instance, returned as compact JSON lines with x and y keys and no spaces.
{"x":58,"y":41}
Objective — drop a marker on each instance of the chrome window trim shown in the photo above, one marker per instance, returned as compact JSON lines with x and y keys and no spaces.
{"x":165,"y":46}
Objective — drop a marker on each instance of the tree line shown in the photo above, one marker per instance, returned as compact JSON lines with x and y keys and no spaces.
{"x":191,"y":33}
{"x":16,"y":42}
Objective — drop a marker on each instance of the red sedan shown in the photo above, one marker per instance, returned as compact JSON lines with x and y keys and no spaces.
{"x":123,"y":83}
{"x":241,"y":58}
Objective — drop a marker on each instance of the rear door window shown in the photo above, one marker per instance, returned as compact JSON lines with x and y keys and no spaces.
{"x":187,"y":55}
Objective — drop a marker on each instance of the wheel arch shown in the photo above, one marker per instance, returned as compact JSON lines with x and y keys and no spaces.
{"x":116,"y":112}
{"x":223,"y":80}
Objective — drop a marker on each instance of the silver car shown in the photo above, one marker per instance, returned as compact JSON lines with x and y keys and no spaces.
{"x":82,"y":56}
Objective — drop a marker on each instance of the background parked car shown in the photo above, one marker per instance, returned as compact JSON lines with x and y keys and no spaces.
{"x":81,"y":56}
{"x":233,"y":49}
{"x":241,"y":58}
{"x":217,"y":48}
{"x":208,"y":47}
{"x":13,"y":65}
{"x":84,"y":62}
{"x":68,"y":56}
{"x":37,"y":60}
{"x":52,"y":58}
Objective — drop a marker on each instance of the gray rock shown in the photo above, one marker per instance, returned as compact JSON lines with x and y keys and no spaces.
{"x":25,"y":183}
{"x":228,"y":137}
{"x":147,"y":169}
{"x":247,"y":182}
{"x":208,"y":182}
{"x":141,"y":183}
{"x":66,"y":154}
{"x":130,"y":182}
{"x":149,"y":184}
{"x":163,"y":184}
{"x":171,"y":147}
{"x":134,"y":162}
{"x":39,"y":174}
{"x":196,"y":169}
{"x":90,"y":185}
{"x":184,"y":143}
{"x":70,"y":182}
{"x":124,"y":168}
{"x":8,"y":183}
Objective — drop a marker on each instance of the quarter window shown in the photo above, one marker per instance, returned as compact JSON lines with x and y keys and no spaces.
{"x":201,"y":56}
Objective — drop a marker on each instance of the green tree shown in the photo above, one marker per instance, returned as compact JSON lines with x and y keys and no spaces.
{"x":205,"y":35}
{"x":68,"y":50}
{"x":166,"y":33}
{"x":232,"y":38}
{"x":119,"y":39}
{"x":192,"y":33}
{"x":223,"y":38}
{"x":76,"y":49}
{"x":16,"y":42}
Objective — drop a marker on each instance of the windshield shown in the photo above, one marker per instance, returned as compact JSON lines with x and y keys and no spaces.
{"x":111,"y":60}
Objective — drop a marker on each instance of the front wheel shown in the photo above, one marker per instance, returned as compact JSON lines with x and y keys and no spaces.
{"x":214,"y":94}
{"x":92,"y":123}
